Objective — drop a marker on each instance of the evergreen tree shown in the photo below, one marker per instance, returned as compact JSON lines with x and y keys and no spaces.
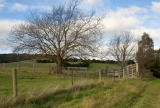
{"x":145,"y":55}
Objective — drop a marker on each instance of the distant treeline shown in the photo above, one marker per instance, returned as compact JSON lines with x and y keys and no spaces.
{"x":98,"y":61}
{"x":12,"y":57}
{"x":40,"y":58}
{"x":92,"y":61}
{"x":8,"y":58}
{"x":46,"y":60}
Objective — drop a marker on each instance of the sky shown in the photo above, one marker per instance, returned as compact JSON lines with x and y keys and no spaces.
{"x":136,"y":16}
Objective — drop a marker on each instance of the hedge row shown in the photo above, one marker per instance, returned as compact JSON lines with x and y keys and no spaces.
{"x":44,"y":61}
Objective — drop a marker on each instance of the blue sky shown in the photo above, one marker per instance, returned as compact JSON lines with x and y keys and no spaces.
{"x":137,"y":16}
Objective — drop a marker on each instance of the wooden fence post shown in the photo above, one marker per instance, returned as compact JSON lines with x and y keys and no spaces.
{"x":33,"y":69}
{"x":137,"y":71}
{"x":37,"y":68}
{"x":88,"y":73}
{"x":100,"y":75}
{"x":4,"y":66}
{"x":55,"y":70}
{"x":132,"y":72}
{"x":123,"y":72}
{"x":128,"y":74}
{"x":49,"y":70}
{"x":114,"y":74}
{"x":72,"y":76}
{"x":119,"y":74}
{"x":17,"y":66}
{"x":14,"y":77}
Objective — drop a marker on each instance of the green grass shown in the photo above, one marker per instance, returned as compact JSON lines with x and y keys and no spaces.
{"x":131,"y":93}
{"x":40,"y":90}
{"x":97,"y":66}
{"x":33,"y":82}
{"x":27,"y":66}
{"x":29,"y":81}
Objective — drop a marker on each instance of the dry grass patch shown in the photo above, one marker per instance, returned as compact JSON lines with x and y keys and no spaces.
{"x":44,"y":94}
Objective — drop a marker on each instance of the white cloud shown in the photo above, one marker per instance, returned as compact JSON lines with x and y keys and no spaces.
{"x":133,"y":10}
{"x":92,"y":1}
{"x":88,"y":4}
{"x":128,"y":19}
{"x":156,"y":47}
{"x":22,"y":7}
{"x":19,"y":7}
{"x":42,"y":7}
{"x":154,"y":33}
{"x":2,"y":4}
{"x":6,"y":26}
{"x":120,"y":23}
{"x":156,"y":7}
{"x":123,"y":19}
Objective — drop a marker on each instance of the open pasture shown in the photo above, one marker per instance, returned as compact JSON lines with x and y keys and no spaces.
{"x":34,"y":77}
{"x":38,"y":89}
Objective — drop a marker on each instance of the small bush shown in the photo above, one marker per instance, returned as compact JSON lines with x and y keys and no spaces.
{"x":44,"y":61}
{"x":156,"y":72}
{"x":129,"y":62}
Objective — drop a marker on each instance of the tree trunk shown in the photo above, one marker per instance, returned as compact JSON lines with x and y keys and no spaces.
{"x":121,"y":65}
{"x":141,"y":69}
{"x":59,"y":65}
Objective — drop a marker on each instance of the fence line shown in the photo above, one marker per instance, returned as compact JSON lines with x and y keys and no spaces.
{"x":130,"y":71}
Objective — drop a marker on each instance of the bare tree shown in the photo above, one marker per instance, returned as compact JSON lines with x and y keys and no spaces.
{"x":122,"y":48}
{"x":64,"y":32}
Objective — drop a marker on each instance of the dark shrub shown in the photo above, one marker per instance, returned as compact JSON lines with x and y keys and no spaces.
{"x":66,"y":64}
{"x":156,"y":72}
{"x":44,"y":61}
{"x":129,"y":62}
{"x":103,"y":61}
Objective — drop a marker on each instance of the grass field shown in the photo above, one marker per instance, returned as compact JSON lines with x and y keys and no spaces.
{"x":40,"y":90}
{"x":130,"y":93}
{"x":29,"y":81}
{"x":27,"y":66}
